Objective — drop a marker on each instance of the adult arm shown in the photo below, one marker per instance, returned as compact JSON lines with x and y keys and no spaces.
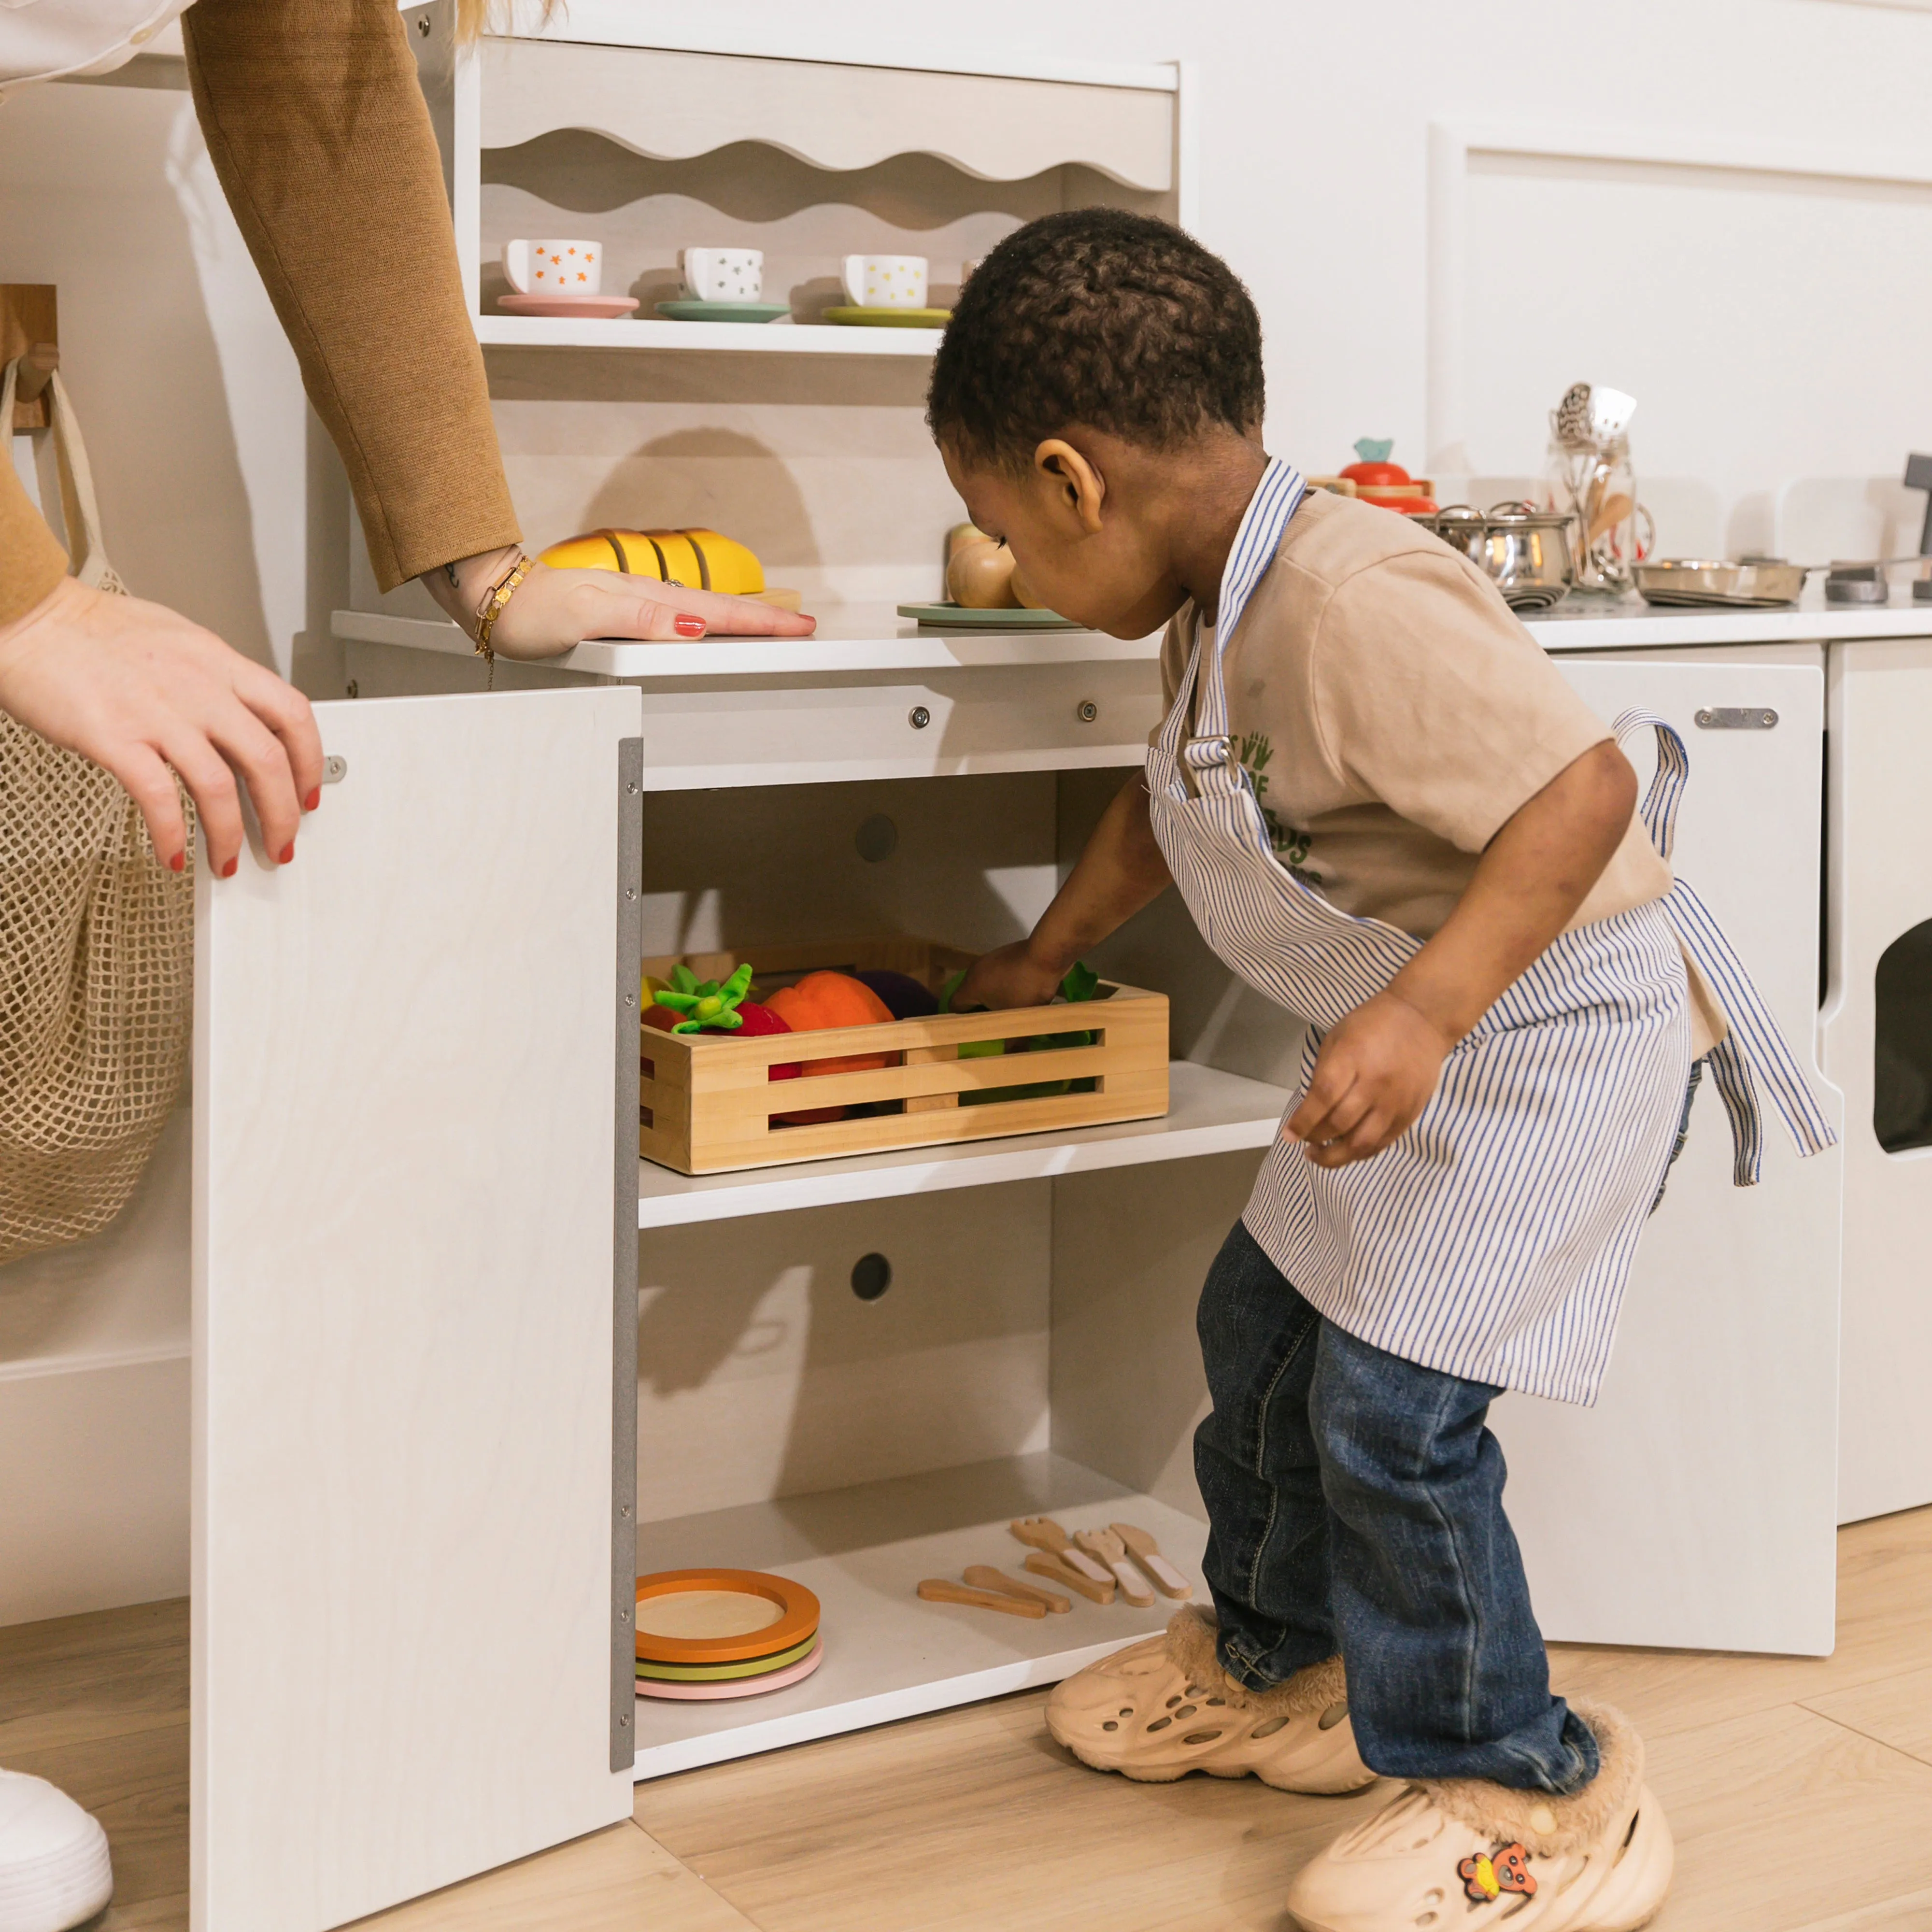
{"x":319,"y":133}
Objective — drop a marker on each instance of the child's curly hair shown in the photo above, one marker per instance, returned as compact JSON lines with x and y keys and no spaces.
{"x":1101,"y":317}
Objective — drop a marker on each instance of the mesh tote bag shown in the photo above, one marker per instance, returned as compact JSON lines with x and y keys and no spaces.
{"x":97,"y":941}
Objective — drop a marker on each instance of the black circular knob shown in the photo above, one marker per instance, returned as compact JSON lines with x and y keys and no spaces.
{"x":871,"y":1276}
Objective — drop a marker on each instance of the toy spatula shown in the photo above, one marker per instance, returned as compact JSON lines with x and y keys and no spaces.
{"x":1167,"y":1580}
{"x":1043,"y":1533}
{"x":1111,"y":1551}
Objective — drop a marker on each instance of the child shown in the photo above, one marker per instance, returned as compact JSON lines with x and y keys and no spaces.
{"x":1387,"y":812}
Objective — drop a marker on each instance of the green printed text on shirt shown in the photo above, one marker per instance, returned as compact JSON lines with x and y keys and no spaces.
{"x":1290,"y":846}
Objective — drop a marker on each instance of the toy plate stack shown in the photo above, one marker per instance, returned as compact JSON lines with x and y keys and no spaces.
{"x":705,"y":1634}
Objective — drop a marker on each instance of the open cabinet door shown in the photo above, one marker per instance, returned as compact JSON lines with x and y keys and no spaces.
{"x":415,"y":1093}
{"x":1695,"y":1505}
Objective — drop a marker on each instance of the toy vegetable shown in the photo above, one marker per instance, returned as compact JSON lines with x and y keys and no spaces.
{"x":822,"y":1000}
{"x":705,"y":1005}
{"x":1080,"y":983}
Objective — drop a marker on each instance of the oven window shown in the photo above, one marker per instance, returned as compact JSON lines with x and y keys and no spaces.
{"x":1902,"y":1045}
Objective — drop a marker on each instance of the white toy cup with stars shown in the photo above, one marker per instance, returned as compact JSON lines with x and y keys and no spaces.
{"x":554,"y":267}
{"x":723,"y":275}
{"x":885,"y":281}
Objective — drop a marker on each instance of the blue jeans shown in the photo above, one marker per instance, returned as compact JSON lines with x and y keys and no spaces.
{"x":1355,"y":1503}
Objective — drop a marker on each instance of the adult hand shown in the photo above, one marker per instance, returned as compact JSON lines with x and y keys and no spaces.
{"x":139,"y":688}
{"x":1375,"y":1073}
{"x":1008,"y":976}
{"x":554,"y":610}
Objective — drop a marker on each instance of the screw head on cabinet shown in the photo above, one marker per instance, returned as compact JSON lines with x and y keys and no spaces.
{"x":919,"y":718}
{"x":1087,"y":711}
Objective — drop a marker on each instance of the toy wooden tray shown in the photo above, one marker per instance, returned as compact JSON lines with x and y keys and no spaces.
{"x":699,"y":1617}
{"x":709,"y":1104}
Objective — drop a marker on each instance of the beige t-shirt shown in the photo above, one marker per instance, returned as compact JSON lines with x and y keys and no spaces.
{"x":1393,"y":714}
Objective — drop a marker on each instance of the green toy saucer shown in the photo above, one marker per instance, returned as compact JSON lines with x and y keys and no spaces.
{"x":722,"y":311}
{"x":891,"y":318}
{"x":957,"y":617}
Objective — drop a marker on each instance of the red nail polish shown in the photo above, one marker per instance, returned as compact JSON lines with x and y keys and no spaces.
{"x":313,"y":799}
{"x":179,"y":863}
{"x":228,"y":871}
{"x":690,"y":627}
{"x":287,"y":853}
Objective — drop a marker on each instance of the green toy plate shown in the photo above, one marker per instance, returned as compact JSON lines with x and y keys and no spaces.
{"x":957,"y":617}
{"x":719,"y":311}
{"x":891,"y":318}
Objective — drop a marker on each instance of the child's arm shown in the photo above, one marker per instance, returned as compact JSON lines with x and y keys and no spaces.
{"x":1377,"y":1068}
{"x":1121,"y":871}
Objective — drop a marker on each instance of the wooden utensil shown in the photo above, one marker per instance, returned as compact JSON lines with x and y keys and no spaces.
{"x":984,"y":1577}
{"x":1044,"y":1563}
{"x":1104,"y":1544}
{"x":936,"y":1590}
{"x":1611,"y":512}
{"x":1043,"y":1533}
{"x":1166,"y":1579}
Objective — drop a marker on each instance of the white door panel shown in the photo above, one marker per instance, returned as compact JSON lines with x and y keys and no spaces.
{"x":407,"y":1081}
{"x":1695,"y":1504}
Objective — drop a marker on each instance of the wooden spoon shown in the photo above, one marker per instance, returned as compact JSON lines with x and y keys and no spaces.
{"x":984,"y":1577}
{"x":938,"y":1590}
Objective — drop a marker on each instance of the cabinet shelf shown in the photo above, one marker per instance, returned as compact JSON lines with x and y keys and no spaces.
{"x":889,"y":1654}
{"x":770,"y":338}
{"x":1210,"y":1112}
{"x":853,"y":638}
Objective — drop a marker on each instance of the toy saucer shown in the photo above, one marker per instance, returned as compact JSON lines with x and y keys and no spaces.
{"x":687,"y":309}
{"x":891,"y":318}
{"x":608,"y":308}
{"x":720,"y":1616}
{"x":694,"y":1673}
{"x":741,"y":1687}
{"x":957,"y":617}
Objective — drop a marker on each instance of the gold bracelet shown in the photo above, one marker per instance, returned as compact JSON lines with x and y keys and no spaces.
{"x":492,"y":608}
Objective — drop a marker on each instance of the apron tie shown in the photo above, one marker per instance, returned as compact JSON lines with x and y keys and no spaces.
{"x":1755,"y":1043}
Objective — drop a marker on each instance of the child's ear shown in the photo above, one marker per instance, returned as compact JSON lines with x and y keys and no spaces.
{"x":1076,"y":484}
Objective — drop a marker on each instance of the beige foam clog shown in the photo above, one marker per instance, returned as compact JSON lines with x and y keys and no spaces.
{"x":1164,"y":1707}
{"x":1465,"y":1854}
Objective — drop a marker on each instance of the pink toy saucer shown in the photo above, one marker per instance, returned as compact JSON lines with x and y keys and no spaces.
{"x":610,"y":307}
{"x":734,"y":1686}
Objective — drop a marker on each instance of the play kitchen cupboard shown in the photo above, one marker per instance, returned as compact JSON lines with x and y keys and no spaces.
{"x":420,"y":1475}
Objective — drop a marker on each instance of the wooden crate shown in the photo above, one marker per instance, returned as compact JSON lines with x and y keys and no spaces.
{"x":706,"y":1100}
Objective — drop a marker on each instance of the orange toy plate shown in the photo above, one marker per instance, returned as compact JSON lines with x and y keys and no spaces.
{"x":689,"y":1616}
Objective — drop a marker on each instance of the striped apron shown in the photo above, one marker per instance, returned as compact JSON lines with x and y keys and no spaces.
{"x":1493,"y":1240}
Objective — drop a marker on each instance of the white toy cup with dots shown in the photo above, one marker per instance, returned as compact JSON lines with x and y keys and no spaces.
{"x":723,"y":275}
{"x":554,"y":267}
{"x":885,"y":281}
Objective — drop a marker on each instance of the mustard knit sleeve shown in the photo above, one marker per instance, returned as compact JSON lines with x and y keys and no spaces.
{"x":32,"y":561}
{"x":322,"y":139}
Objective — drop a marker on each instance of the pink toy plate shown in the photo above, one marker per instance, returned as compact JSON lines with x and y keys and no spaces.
{"x":610,"y":307}
{"x":735,"y":1687}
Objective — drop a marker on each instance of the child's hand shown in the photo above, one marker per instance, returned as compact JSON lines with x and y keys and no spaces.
{"x":1010,"y":977}
{"x":1374,"y":1074}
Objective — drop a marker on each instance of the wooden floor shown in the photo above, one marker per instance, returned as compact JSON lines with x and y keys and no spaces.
{"x":1800,"y":1791}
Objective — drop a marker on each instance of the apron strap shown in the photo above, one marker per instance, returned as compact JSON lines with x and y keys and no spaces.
{"x":1659,"y":809}
{"x":1755,"y":1042}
